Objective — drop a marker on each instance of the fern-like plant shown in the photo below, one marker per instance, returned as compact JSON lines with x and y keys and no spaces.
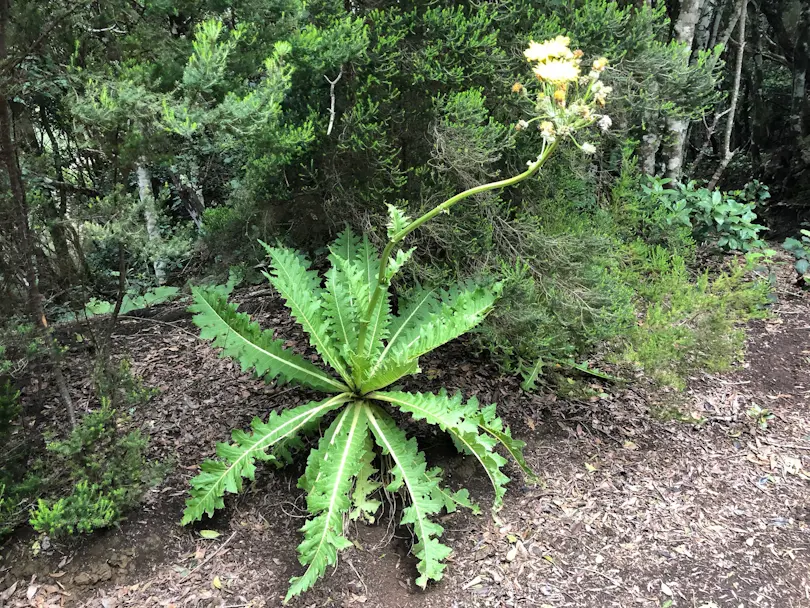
{"x":347,"y":315}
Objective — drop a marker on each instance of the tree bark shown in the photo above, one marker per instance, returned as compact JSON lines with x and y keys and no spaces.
{"x":8,"y":151}
{"x":191,"y":193}
{"x":773,"y":13}
{"x":684,"y":27}
{"x":703,"y":31}
{"x":759,"y":126}
{"x":677,"y":127}
{"x":801,"y":63}
{"x":151,"y":216}
{"x":57,"y":215}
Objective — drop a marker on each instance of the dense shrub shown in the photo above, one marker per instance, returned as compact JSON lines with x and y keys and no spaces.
{"x":82,"y":482}
{"x":688,"y":322}
{"x":18,"y":484}
{"x":105,"y":470}
{"x":726,"y":219}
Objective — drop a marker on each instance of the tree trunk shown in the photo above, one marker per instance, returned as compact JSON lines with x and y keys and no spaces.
{"x":675,"y":137}
{"x":57,"y":215}
{"x":151,"y":216}
{"x":717,"y":20}
{"x":8,"y":151}
{"x":191,"y":193}
{"x":703,"y":31}
{"x":759,"y":125}
{"x":801,"y":63}
{"x":684,"y":27}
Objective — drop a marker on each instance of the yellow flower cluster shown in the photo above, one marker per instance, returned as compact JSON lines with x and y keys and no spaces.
{"x":555,"y":62}
{"x":556,"y":48}
{"x":567,"y":100}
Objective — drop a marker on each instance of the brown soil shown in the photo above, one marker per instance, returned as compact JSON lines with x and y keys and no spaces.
{"x":632,"y":510}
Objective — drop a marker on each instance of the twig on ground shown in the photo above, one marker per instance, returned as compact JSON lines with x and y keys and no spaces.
{"x":213,"y":555}
{"x":785,"y":446}
{"x":360,"y":578}
{"x":195,"y":336}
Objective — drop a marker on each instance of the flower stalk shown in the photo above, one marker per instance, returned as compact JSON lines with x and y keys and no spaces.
{"x":565,"y":103}
{"x":534,"y":167}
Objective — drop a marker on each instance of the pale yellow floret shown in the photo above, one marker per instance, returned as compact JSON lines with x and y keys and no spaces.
{"x":600,"y":64}
{"x":557,"y":72}
{"x":547,"y":131}
{"x":556,"y":48}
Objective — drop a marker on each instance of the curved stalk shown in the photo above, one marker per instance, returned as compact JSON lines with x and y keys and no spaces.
{"x":443,"y":207}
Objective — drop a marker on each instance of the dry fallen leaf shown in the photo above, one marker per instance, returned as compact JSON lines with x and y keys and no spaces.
{"x":791,"y":465}
{"x":8,"y":592}
{"x":216,"y":583}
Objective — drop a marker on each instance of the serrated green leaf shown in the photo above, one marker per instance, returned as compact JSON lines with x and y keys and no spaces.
{"x":341,"y":312}
{"x":303,"y":294}
{"x":342,"y":451}
{"x":413,"y":313}
{"x":390,"y":373}
{"x":530,"y":377}
{"x":396,"y":263}
{"x":397,"y":221}
{"x":243,"y":340}
{"x":449,"y":499}
{"x":237,"y":460}
{"x":460,"y":311}
{"x":489,"y":421}
{"x":460,"y":420}
{"x":409,"y":472}
{"x":363,"y":505}
{"x":346,"y":245}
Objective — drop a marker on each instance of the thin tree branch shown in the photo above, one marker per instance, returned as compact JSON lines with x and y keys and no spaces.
{"x":332,"y":84}
{"x":728,"y":154}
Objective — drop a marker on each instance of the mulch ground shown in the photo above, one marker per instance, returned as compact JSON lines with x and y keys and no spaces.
{"x":636,"y":506}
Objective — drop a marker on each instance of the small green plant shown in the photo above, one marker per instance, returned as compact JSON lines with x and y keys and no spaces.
{"x":9,"y":410}
{"x":17,"y":483}
{"x":728,"y":219}
{"x":348,"y":318}
{"x":121,"y":387}
{"x":760,"y":415}
{"x":88,"y":508}
{"x":687,"y":323}
{"x":801,"y":252}
{"x":105,"y":469}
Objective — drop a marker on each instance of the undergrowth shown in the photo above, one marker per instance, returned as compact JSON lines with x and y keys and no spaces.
{"x":85,"y":481}
{"x":687,"y":321}
{"x":104,"y":470}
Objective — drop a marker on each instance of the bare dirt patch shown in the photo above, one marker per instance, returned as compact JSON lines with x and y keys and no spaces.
{"x":632,"y":509}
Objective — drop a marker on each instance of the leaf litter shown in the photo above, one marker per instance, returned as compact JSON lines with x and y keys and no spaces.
{"x":630,"y":509}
